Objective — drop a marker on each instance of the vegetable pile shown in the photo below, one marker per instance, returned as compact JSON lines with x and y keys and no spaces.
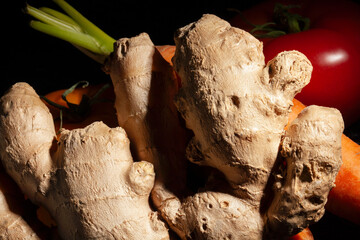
{"x":202,"y":140}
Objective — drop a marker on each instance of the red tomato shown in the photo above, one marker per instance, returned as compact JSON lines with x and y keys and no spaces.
{"x":347,"y":25}
{"x":335,"y":79}
{"x":331,"y":44}
{"x":341,"y":17}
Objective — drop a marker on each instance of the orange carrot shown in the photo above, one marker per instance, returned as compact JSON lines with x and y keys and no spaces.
{"x":103,"y":110}
{"x":167,"y":51}
{"x":344,"y":198}
{"x":306,"y":234}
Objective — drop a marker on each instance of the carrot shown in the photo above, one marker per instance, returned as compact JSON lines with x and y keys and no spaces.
{"x":306,"y":234}
{"x":102,"y":109}
{"x":167,"y":52}
{"x":344,"y":198}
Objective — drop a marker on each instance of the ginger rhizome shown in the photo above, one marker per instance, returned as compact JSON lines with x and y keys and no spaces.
{"x":16,"y":220}
{"x":87,"y":181}
{"x":237,"y":108}
{"x":312,"y":149}
{"x":263,"y":182}
{"x":145,"y":85}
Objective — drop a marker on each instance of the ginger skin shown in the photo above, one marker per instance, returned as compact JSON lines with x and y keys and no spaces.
{"x":87,"y":181}
{"x":145,"y":85}
{"x":13,"y":225}
{"x":237,"y":108}
{"x":301,"y":194}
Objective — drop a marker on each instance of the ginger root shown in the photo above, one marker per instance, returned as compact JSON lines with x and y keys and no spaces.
{"x":263,"y":181}
{"x":145,"y":85}
{"x":301,"y":193}
{"x":237,"y":108}
{"x":87,"y":181}
{"x":13,"y":224}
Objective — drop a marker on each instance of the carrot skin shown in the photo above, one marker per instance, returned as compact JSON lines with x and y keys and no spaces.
{"x":167,"y":52}
{"x":344,"y":198}
{"x":306,"y":234}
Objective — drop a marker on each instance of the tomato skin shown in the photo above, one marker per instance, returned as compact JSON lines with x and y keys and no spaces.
{"x":331,"y":44}
{"x":347,"y":26}
{"x":335,"y":79}
{"x":341,"y":17}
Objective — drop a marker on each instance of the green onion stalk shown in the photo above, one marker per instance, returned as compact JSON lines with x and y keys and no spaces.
{"x":72,"y":27}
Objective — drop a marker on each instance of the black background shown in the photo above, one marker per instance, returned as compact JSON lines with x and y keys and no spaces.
{"x":49,"y":64}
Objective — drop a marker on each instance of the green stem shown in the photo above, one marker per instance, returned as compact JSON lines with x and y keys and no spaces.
{"x":72,"y":88}
{"x":284,"y":22}
{"x":59,"y":15}
{"x":73,"y":28}
{"x":88,"y":26}
{"x":77,"y":112}
{"x":61,"y":107}
{"x":288,"y":21}
{"x":267,"y":30}
{"x":76,"y":38}
{"x":46,"y":18}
